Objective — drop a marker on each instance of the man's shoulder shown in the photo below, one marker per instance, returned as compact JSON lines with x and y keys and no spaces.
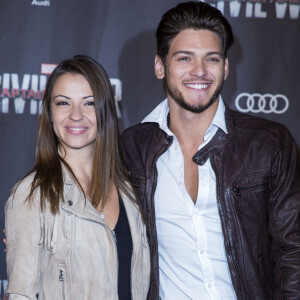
{"x":150,"y":125}
{"x":248,"y":129}
{"x":244,"y":121}
{"x":142,"y":132}
{"x":140,"y":127}
{"x":147,"y":136}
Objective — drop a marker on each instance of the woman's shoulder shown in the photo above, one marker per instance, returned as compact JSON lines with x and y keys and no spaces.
{"x":21,"y":189}
{"x":24,"y":184}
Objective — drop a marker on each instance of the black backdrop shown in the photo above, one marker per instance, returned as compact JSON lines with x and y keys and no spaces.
{"x":35,"y":34}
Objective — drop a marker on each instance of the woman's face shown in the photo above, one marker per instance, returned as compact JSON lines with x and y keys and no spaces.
{"x":73,"y":112}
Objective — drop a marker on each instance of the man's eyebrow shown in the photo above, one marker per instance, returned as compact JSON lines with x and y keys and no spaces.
{"x":214,"y":53}
{"x":192,"y":53}
{"x":182,"y":52}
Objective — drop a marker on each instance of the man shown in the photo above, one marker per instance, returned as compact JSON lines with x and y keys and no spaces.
{"x":220,"y":189}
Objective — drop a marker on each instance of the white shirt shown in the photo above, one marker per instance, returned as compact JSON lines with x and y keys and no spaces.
{"x":192,"y":260}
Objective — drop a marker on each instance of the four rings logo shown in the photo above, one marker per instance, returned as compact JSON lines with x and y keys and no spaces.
{"x":257,"y":103}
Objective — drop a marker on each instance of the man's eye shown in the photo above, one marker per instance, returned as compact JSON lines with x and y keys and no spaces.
{"x":213,"y":59}
{"x":183,"y":58}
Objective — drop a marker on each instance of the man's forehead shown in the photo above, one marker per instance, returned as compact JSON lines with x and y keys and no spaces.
{"x":191,"y":40}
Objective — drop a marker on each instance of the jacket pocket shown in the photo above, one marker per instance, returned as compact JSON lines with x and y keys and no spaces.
{"x":249,"y":197}
{"x":238,"y":190}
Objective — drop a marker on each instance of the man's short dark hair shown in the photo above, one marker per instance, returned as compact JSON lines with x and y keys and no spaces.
{"x":194,"y":15}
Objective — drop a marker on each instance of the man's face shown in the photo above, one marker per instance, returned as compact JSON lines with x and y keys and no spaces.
{"x":194,"y":70}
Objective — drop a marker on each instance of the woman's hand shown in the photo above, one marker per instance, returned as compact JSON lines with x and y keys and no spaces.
{"x":4,"y":240}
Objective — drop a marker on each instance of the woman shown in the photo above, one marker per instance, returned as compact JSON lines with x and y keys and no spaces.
{"x":73,"y":227}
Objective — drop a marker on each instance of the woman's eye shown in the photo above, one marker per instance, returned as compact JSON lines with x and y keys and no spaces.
{"x":90,"y":103}
{"x":61,"y":103}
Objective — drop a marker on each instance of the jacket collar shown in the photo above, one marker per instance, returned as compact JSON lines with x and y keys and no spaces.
{"x":224,"y":121}
{"x":160,"y":112}
{"x":217,"y":143}
{"x":219,"y":140}
{"x":75,"y":203}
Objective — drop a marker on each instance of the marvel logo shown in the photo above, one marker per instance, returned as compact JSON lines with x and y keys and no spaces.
{"x":46,"y":69}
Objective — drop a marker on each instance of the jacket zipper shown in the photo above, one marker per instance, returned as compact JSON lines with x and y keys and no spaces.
{"x":230,"y":258}
{"x":238,"y":189}
{"x":167,"y":144}
{"x":112,"y":234}
{"x":114,"y":238}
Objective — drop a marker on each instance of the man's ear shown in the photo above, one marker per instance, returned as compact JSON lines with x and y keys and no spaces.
{"x":226,"y":68}
{"x":159,"y":68}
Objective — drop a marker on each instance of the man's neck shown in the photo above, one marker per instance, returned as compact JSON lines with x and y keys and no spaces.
{"x":188,"y":127}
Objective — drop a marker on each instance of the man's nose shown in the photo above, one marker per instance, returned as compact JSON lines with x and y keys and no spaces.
{"x":199,"y":69}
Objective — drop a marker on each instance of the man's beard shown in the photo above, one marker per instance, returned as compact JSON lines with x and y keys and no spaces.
{"x":179,"y":99}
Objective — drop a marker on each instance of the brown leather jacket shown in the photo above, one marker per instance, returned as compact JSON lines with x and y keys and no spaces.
{"x":258,"y":192}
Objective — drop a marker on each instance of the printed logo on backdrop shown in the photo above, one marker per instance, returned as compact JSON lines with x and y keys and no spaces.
{"x":23,"y":94}
{"x":258,"y":103}
{"x":41,"y":2}
{"x":288,"y":9}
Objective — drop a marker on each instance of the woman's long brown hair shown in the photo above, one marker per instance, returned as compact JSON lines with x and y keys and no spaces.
{"x":108,"y":166}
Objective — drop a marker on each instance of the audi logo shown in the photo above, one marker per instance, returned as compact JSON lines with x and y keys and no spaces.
{"x":257,"y":103}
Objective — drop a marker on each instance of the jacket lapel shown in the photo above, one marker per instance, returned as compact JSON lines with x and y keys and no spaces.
{"x":75,"y":201}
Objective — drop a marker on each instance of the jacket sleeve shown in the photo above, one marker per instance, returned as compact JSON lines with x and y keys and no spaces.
{"x":23,"y":233}
{"x":284,"y":218}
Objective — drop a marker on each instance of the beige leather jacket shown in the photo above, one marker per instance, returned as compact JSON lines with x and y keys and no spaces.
{"x":70,"y":255}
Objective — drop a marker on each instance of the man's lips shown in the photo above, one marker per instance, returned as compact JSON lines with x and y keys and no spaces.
{"x":197,"y":86}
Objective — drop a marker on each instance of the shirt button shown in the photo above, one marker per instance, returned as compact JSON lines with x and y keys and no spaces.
{"x":209,"y":285}
{"x":180,"y":182}
{"x":201,"y":251}
{"x":70,"y":202}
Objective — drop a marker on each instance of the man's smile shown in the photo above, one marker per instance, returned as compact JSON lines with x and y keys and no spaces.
{"x":197,"y":86}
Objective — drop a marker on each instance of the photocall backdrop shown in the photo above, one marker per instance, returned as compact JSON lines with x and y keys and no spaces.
{"x":36,"y":34}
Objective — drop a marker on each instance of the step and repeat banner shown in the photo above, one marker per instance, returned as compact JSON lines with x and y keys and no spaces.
{"x":35,"y":35}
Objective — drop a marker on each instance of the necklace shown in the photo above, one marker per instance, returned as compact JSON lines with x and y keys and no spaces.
{"x":102,"y":215}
